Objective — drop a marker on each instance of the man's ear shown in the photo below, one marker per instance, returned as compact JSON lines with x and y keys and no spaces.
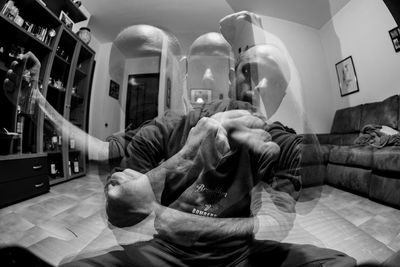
{"x":183,"y":65}
{"x":232,"y":84}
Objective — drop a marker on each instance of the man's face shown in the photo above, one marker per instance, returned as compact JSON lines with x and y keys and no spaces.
{"x":259,"y":80}
{"x":209,"y":72}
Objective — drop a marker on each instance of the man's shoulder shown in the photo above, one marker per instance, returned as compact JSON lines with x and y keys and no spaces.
{"x":281,"y":133}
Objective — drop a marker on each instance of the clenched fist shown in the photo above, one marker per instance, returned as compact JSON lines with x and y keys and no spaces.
{"x":21,"y":82}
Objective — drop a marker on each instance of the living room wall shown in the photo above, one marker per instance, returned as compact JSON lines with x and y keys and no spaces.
{"x":360,"y":30}
{"x":105,"y":110}
{"x":304,"y":46}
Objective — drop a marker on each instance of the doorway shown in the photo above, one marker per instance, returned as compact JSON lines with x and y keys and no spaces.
{"x":142,"y":99}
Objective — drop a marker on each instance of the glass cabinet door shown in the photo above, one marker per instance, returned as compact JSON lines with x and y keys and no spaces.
{"x":22,"y":31}
{"x":79,"y":94}
{"x":56,"y":95}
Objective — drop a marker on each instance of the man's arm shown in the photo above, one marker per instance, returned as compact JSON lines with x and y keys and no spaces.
{"x":96,"y":149}
{"x":125,"y":204}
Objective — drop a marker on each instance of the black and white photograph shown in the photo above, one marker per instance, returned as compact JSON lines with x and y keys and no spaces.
{"x":200,"y":96}
{"x":395,"y":36}
{"x":166,"y":133}
{"x":347,"y":77}
{"x":66,"y":20}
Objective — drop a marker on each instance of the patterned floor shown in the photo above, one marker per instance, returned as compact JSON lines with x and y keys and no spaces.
{"x":70,"y":219}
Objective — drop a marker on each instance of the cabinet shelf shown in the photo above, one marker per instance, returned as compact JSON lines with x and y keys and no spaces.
{"x":76,"y":175}
{"x":62,"y":60}
{"x":51,"y":152}
{"x":9,"y":27}
{"x":57,"y":180}
{"x":60,"y":90}
{"x":22,"y":156}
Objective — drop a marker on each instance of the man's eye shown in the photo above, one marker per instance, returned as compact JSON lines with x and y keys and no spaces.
{"x":246,"y":69}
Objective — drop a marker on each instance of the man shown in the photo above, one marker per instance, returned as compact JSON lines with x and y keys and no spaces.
{"x":202,"y":201}
{"x":201,"y":193}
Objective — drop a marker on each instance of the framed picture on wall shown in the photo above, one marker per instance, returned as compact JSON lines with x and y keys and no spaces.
{"x":66,"y":20}
{"x":200,"y":96}
{"x":114,"y":90}
{"x":395,"y":36}
{"x":347,"y":77}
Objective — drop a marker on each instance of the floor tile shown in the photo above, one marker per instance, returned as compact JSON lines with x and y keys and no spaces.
{"x":381,"y":228}
{"x":355,"y":215}
{"x":32,"y":236}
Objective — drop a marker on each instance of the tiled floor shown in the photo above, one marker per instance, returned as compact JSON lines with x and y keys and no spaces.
{"x":70,"y":219}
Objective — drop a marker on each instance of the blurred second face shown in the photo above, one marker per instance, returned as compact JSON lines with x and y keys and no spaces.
{"x":209,"y":73}
{"x":260,"y":79}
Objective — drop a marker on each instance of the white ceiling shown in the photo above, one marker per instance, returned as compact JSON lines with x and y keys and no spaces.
{"x":189,"y":17}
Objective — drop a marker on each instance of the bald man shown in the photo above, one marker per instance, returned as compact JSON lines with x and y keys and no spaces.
{"x":209,"y":66}
{"x":200,"y":174}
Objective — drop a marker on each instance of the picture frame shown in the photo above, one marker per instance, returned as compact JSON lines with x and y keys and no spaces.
{"x":347,"y":77}
{"x":66,"y":20}
{"x":114,"y":90}
{"x":200,"y":96}
{"x":168,"y":94}
{"x":395,"y":37}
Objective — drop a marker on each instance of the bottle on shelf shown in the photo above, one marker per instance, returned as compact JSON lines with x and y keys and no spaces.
{"x":20,"y":120}
{"x":54,"y":141}
{"x":59,"y":141}
{"x":69,"y":168}
{"x":72,"y":143}
{"x":53,"y":169}
{"x":76,"y":164}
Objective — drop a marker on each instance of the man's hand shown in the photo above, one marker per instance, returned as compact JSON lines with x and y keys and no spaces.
{"x":244,"y":130}
{"x":23,"y":74}
{"x":207,"y":130}
{"x":130,"y":198}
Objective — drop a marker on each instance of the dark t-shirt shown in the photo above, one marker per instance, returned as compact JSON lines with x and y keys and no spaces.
{"x":215,"y":191}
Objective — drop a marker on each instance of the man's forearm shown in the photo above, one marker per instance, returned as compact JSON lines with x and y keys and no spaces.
{"x":96,"y":149}
{"x":188,"y":228}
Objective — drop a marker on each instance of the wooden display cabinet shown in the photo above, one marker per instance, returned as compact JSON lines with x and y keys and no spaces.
{"x":29,"y":143}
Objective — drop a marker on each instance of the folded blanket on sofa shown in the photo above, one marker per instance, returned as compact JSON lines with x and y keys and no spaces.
{"x":378,"y":136}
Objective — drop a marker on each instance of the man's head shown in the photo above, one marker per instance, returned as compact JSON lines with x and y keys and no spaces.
{"x":262,"y":77}
{"x":163,"y":48}
{"x":209,"y":63}
{"x":145,"y":40}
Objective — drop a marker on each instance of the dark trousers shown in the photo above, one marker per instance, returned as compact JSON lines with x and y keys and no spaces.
{"x":157,"y":252}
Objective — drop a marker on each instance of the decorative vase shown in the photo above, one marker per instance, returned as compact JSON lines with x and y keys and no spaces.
{"x":85,"y":35}
{"x":77,"y":3}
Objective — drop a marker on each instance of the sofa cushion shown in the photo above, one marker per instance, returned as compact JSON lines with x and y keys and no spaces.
{"x":343,"y":139}
{"x":385,"y":112}
{"x":360,"y":156}
{"x":351,"y":178}
{"x":313,"y":175}
{"x":323,"y":138}
{"x":387,"y":159}
{"x":315,"y":154}
{"x":347,"y":120}
{"x":385,"y":188}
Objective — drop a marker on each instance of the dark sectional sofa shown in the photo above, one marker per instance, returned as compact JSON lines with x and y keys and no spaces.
{"x":334,"y":159}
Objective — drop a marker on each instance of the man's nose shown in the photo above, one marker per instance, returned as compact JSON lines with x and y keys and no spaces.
{"x":208,"y":78}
